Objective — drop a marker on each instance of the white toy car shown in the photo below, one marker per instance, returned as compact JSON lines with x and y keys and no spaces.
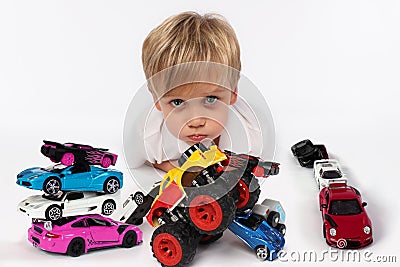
{"x":328,"y":171}
{"x":273,"y":212}
{"x":63,"y":204}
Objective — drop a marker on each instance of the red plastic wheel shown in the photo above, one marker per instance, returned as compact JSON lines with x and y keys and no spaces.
{"x":244,"y":194}
{"x":167,"y":249}
{"x":106,"y":162}
{"x":205,"y":213}
{"x":68,"y":159}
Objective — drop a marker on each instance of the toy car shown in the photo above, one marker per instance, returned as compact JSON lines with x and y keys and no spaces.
{"x":306,"y":153}
{"x":258,"y":234}
{"x":77,"y":177}
{"x":76,"y":235}
{"x":273,"y":212}
{"x":70,"y":153}
{"x":198,"y":200}
{"x":345,"y":221}
{"x":328,"y":171}
{"x":53,"y":207}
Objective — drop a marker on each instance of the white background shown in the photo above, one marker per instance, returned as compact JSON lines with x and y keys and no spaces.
{"x":329,"y":71}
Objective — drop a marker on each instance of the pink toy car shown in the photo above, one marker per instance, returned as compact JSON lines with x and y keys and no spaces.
{"x":77,"y":235}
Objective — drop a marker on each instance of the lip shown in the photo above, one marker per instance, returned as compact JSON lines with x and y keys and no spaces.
{"x":197,"y":137}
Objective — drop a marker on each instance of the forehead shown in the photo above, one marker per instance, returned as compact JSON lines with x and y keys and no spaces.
{"x":196,"y":90}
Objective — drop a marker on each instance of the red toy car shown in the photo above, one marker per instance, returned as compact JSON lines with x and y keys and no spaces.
{"x":346,"y":223}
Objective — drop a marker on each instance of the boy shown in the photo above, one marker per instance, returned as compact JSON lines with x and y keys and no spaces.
{"x":192,"y":64}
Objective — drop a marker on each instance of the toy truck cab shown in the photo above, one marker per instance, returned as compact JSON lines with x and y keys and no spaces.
{"x":172,"y":187}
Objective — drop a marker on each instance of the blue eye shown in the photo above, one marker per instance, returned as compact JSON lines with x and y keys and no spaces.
{"x":176,"y":102}
{"x":211,"y":99}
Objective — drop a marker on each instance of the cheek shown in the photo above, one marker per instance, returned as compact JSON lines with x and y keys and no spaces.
{"x":174,"y":122}
{"x":218,"y":114}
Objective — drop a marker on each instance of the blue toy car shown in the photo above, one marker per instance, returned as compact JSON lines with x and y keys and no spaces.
{"x":81,"y":177}
{"x":254,"y":230}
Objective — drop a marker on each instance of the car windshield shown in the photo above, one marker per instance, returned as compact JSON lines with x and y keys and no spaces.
{"x":344,"y":207}
{"x":57,"y":168}
{"x":331,"y":174}
{"x":56,"y":197}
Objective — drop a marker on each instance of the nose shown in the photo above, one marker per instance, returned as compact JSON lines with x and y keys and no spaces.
{"x":197,"y":123}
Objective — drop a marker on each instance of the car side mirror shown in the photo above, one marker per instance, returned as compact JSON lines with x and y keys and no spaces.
{"x":324,"y":206}
{"x":68,"y":172}
{"x":66,"y":200}
{"x":364,"y":204}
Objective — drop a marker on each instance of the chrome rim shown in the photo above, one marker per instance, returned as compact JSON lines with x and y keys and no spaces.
{"x":112,"y":186}
{"x":108,"y":208}
{"x":53,"y":186}
{"x":262,"y":253}
{"x":54,"y":213}
{"x":139,"y":199}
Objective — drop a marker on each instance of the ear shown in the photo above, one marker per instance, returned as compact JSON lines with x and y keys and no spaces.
{"x":155,"y":99}
{"x":233,"y":96}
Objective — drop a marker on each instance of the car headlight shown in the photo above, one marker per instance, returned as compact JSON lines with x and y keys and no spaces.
{"x":33,"y":177}
{"x":332,"y":231}
{"x":367,"y":230}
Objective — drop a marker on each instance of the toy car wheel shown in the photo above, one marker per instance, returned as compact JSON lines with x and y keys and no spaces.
{"x":273,"y":219}
{"x":138,"y":197}
{"x":208,"y":239}
{"x":108,"y":207}
{"x":68,"y":159}
{"x":129,"y":239}
{"x":281,"y":228}
{"x":53,"y":213}
{"x":52,"y":185}
{"x":208,"y":214}
{"x":324,"y":231}
{"x":247,"y":198}
{"x":262,"y":253}
{"x":111,"y":185}
{"x":106,"y":162}
{"x":76,"y":247}
{"x":174,"y":244}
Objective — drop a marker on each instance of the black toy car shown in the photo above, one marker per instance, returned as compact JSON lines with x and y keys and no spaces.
{"x":71,"y":153}
{"x":306,"y":153}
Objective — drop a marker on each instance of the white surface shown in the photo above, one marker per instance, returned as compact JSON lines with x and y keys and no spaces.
{"x":329,"y":70}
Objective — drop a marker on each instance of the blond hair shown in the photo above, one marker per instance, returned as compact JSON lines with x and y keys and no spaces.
{"x":189,"y":37}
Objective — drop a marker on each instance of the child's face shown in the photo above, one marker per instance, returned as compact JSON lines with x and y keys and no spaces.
{"x":196,"y":111}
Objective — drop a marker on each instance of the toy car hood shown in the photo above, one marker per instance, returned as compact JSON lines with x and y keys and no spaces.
{"x":35,"y":201}
{"x":32,"y":172}
{"x":357,"y":223}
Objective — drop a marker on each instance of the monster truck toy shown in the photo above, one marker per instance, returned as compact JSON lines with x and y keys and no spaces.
{"x":199,"y":199}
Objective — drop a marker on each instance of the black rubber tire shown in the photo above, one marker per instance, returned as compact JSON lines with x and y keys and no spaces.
{"x":273,"y":218}
{"x":129,"y":239}
{"x":76,"y":247}
{"x":52,"y":179}
{"x":252,"y":184}
{"x":226,"y":203}
{"x":52,"y":211}
{"x":138,"y":197}
{"x":108,"y":190}
{"x":324,"y":231}
{"x":186,"y":237}
{"x":106,"y":206}
{"x":208,"y":239}
{"x":281,"y":228}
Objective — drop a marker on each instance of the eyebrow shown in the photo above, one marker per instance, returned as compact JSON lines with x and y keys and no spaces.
{"x":214,"y":90}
